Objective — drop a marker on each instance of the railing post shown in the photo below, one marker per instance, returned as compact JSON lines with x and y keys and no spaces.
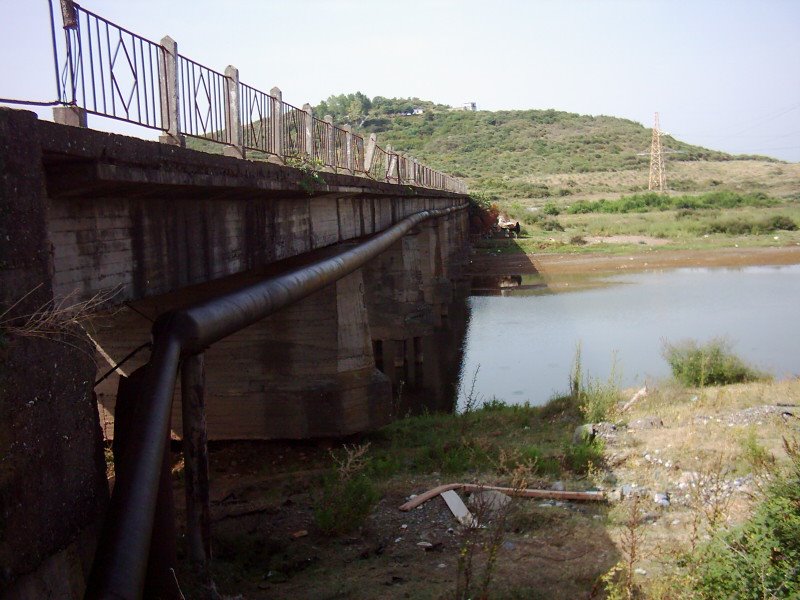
{"x":233,"y":121}
{"x":170,"y":102}
{"x":68,"y":14}
{"x":330,"y":143}
{"x":72,"y":115}
{"x":389,"y":162}
{"x":309,"y":132}
{"x":349,"y":158}
{"x":277,"y":121}
{"x":195,"y":460}
{"x":369,"y":151}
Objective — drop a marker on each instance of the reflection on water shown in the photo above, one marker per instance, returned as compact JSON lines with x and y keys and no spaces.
{"x":523,"y":330}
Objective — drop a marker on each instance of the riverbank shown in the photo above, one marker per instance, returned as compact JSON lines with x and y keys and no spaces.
{"x":321,"y":519}
{"x":509,"y":262}
{"x":677,"y":465}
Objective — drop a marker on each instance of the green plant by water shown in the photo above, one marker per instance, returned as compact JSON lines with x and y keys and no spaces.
{"x":712,"y":363}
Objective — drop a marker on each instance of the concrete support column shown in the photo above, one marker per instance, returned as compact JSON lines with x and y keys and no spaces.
{"x":437,"y":287}
{"x":306,"y":371}
{"x":398,"y":313}
{"x":277,"y":121}
{"x":170,"y":102}
{"x":233,"y":121}
{"x":309,"y":131}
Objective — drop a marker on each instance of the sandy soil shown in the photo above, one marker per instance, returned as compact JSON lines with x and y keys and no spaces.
{"x":577,"y":264}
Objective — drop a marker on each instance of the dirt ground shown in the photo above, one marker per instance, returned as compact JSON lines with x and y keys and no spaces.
{"x":577,"y":264}
{"x":266,"y":543}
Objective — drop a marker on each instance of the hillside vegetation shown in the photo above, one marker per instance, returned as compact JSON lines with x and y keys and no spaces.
{"x":512,"y":153}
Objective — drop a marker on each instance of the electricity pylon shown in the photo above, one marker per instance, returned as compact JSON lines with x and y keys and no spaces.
{"x":658,"y":175}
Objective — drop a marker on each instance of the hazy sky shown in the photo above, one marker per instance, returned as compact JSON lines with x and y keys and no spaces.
{"x":724,"y":74}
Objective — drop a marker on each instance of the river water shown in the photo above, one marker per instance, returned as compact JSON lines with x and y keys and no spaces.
{"x":521,"y":341}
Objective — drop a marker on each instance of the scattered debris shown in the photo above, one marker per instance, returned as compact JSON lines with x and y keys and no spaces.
{"x":650,"y":422}
{"x":458,"y":508}
{"x":489,"y":500}
{"x":299,"y":534}
{"x":642,"y":393}
{"x":583,"y":433}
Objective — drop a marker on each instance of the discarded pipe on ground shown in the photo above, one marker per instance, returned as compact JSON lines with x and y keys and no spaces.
{"x":524,"y":493}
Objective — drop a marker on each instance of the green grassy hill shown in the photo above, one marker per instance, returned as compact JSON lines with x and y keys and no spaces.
{"x":544,"y":154}
{"x":507,"y":153}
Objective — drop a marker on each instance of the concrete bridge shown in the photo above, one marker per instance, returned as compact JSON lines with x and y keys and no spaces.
{"x":156,"y":227}
{"x":296,"y":292}
{"x":134,"y":229}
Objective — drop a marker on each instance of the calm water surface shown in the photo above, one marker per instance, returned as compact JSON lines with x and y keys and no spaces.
{"x":524,"y":341}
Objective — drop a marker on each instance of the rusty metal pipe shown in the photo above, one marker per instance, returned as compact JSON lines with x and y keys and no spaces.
{"x":120,"y":562}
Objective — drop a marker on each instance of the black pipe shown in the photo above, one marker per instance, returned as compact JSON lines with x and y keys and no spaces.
{"x":120,"y":562}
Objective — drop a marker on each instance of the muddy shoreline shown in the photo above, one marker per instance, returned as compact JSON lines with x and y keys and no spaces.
{"x":554,"y":265}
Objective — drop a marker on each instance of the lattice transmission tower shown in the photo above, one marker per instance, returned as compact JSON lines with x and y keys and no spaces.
{"x":658,"y":175}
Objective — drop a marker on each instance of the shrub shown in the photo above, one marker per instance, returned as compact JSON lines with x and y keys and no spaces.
{"x":348,"y":495}
{"x":709,"y":364}
{"x":598,"y":399}
{"x":780,"y":222}
{"x":551,"y":209}
{"x":345,"y":504}
{"x":650,"y":201}
{"x":580,"y":458}
{"x":760,"y":558}
{"x":551,"y":225}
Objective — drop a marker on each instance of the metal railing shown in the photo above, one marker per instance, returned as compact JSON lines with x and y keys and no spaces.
{"x":258,"y":132}
{"x":111,"y":72}
{"x":203,"y":95}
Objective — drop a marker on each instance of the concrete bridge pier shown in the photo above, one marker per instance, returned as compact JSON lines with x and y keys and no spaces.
{"x":399,"y":316}
{"x":306,"y":371}
{"x":409,"y":297}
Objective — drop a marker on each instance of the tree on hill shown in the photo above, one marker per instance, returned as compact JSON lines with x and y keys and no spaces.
{"x":351,"y":109}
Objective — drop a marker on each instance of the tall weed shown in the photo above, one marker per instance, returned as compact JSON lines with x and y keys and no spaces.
{"x":597,"y":399}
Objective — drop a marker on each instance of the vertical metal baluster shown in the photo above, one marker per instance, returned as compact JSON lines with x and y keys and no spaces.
{"x":80,"y":56}
{"x":112,"y":82}
{"x":91,"y":64}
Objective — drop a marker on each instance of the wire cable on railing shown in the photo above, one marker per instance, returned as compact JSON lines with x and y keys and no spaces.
{"x":30,"y":102}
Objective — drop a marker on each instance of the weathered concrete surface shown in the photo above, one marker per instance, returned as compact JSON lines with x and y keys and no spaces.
{"x":52,"y":472}
{"x":306,"y":371}
{"x":150,"y":218}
